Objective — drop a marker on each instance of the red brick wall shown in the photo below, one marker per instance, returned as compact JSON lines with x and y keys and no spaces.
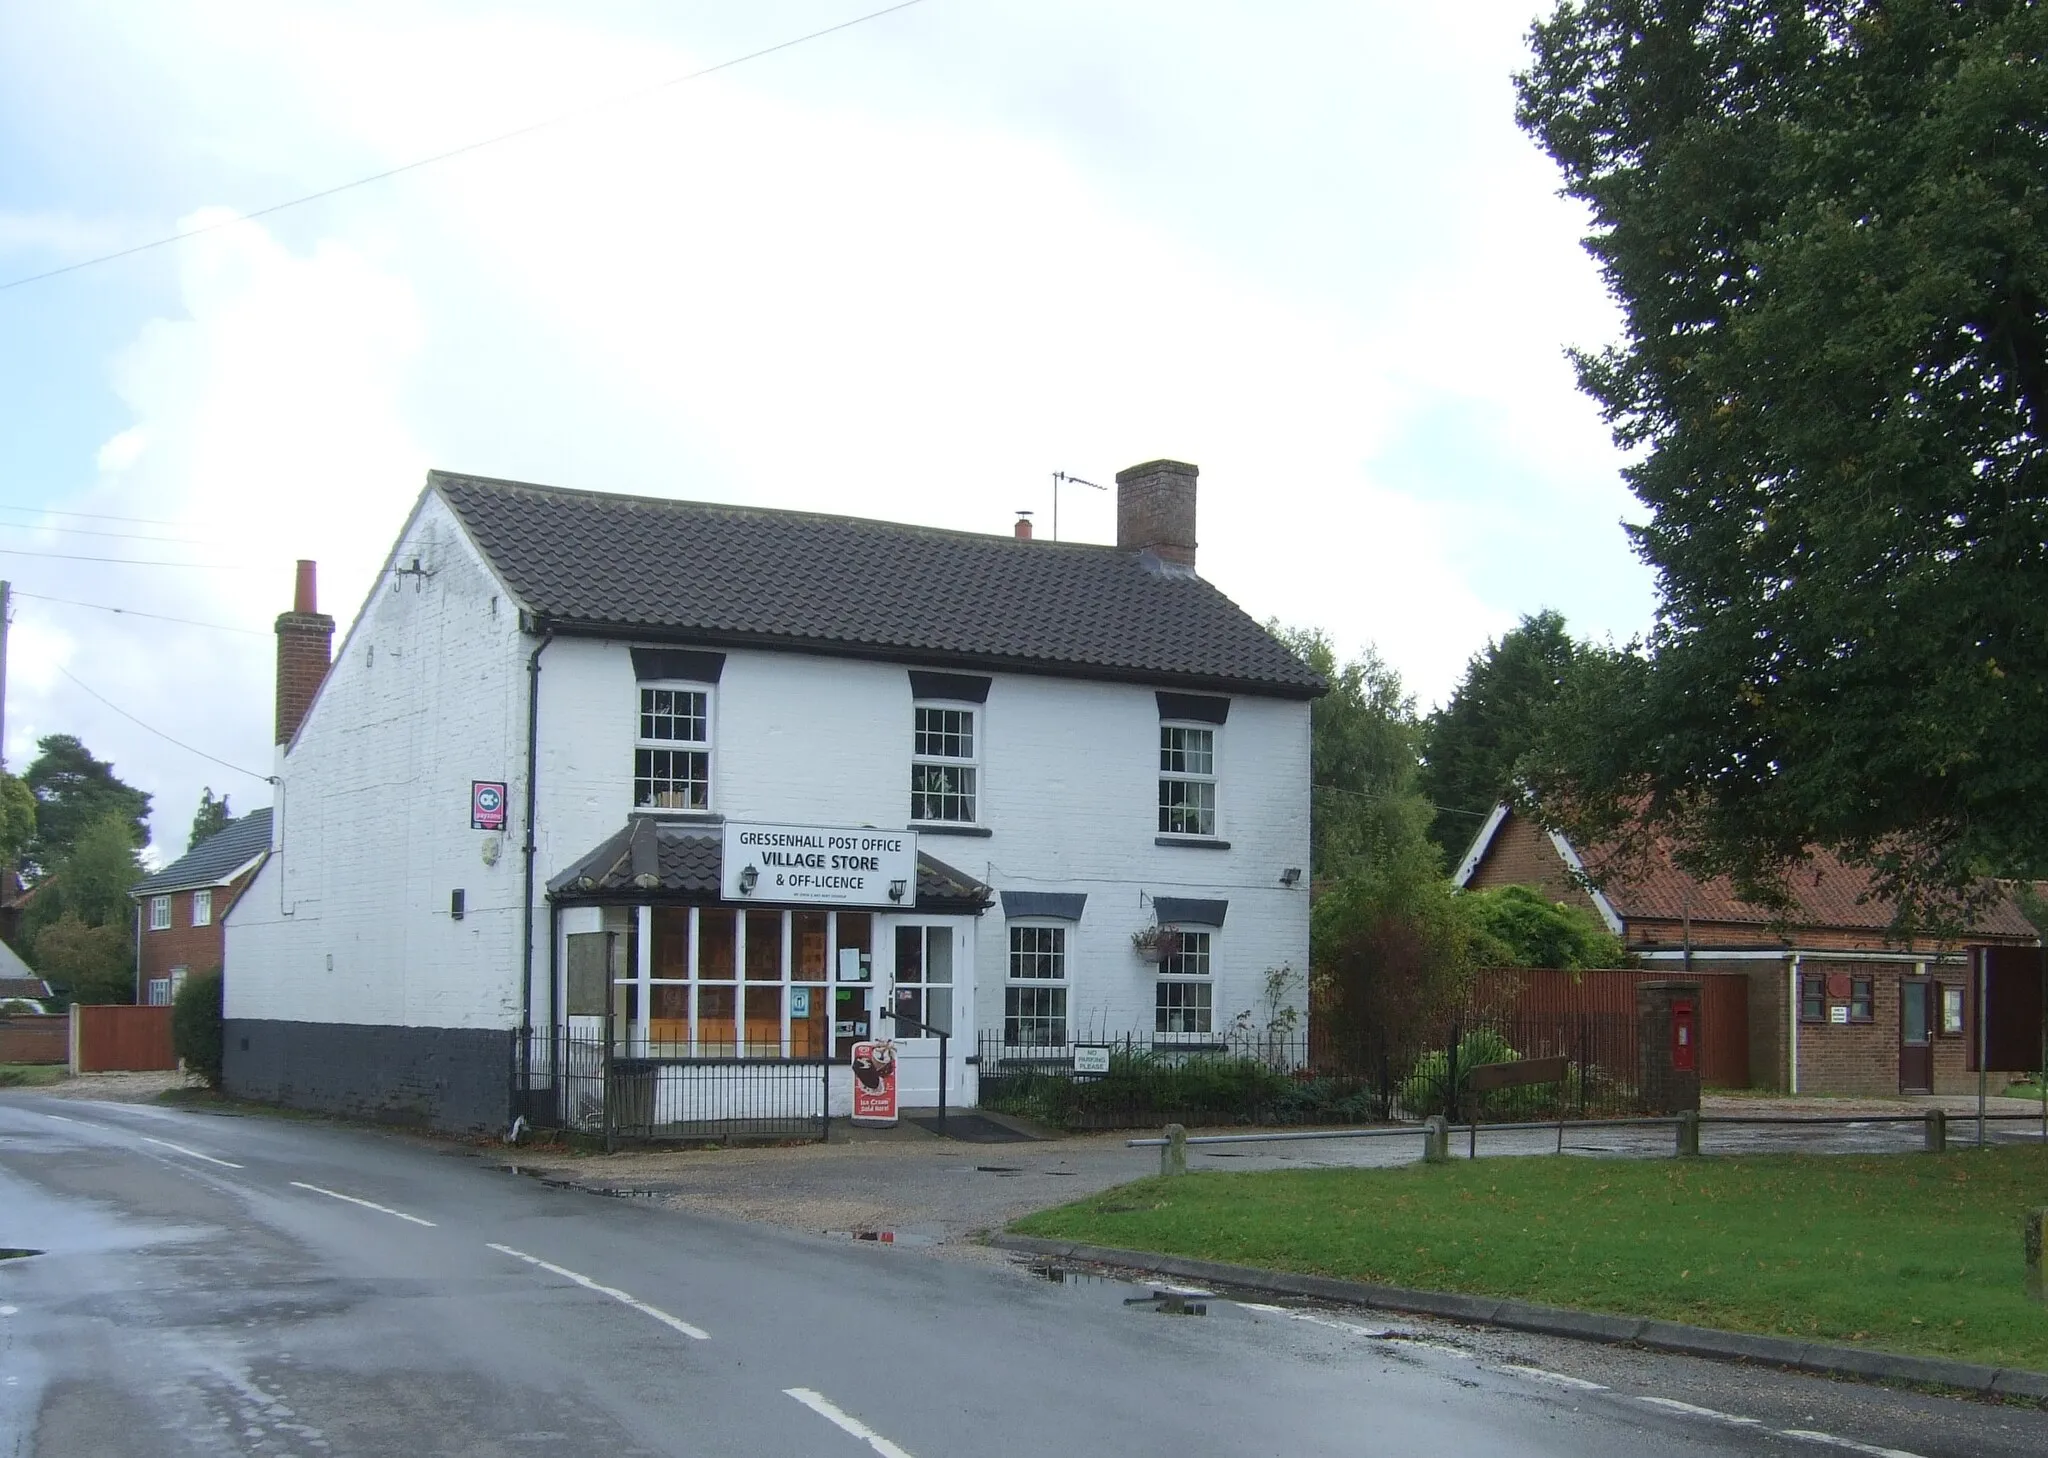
{"x":1522,"y":855}
{"x":35,"y":1039}
{"x":1863,"y":1058}
{"x":198,"y":949}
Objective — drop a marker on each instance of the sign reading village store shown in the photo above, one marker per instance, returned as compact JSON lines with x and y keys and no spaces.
{"x":819,"y":863}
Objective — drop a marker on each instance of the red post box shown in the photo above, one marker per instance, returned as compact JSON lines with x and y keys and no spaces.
{"x":1684,"y":1036}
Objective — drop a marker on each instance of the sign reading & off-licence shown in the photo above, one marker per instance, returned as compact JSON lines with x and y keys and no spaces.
{"x":819,"y":863}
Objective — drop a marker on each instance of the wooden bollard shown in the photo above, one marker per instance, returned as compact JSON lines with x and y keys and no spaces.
{"x":1688,"y":1134}
{"x":1173,"y":1155}
{"x":2037,"y":1285}
{"x":1935,"y":1140}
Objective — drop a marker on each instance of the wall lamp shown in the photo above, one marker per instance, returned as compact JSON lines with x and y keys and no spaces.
{"x":1291,"y":876}
{"x":896,"y":890}
{"x":749,"y":879}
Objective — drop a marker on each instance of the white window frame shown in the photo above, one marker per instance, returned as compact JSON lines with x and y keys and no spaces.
{"x":707,"y":746}
{"x":1172,"y":975}
{"x":1063,"y":984}
{"x":1182,"y":776}
{"x":159,"y":913}
{"x":202,"y":907}
{"x":971,"y":763}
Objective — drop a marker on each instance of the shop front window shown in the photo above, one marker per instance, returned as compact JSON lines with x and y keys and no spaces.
{"x":724,"y":983}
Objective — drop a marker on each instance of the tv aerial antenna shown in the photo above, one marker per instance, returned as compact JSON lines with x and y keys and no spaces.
{"x":1059,"y":479}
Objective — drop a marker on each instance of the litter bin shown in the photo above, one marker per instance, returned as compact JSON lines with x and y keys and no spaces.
{"x":629,"y":1097}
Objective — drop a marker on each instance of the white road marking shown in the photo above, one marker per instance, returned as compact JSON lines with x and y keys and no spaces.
{"x":1179,"y":1290}
{"x":1672,"y":1404}
{"x":61,"y":1118}
{"x":229,"y":1163}
{"x":366,"y":1204}
{"x":622,"y":1297}
{"x":8,"y":1310}
{"x":825,"y":1408}
{"x":1849,"y":1443}
{"x":1541,"y":1374}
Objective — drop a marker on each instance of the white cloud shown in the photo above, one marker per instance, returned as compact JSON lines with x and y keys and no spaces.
{"x":267,"y":422}
{"x":893,"y":275}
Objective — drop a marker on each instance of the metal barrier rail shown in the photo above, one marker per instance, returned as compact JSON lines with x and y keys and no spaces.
{"x":1436,"y":1132}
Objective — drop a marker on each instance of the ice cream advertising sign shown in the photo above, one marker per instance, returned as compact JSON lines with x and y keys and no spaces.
{"x":874,"y":1083}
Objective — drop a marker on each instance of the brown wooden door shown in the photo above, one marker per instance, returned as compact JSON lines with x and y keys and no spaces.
{"x":1916,"y":1036}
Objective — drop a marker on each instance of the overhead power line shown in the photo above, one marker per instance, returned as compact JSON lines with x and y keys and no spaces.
{"x":44,"y":526}
{"x":130,"y":561}
{"x":156,"y":731}
{"x":91,"y":515}
{"x":139,"y":613}
{"x":465,"y":149}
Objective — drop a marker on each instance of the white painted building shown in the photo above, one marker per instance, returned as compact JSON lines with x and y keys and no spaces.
{"x":510,"y":804}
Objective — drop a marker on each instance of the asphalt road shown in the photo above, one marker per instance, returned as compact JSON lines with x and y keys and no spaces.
{"x":219,"y":1285}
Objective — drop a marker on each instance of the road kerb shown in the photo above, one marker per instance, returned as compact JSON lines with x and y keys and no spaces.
{"x":1820,"y":1358}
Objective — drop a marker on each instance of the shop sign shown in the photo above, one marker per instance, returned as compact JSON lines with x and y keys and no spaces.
{"x":874,"y":1082}
{"x":819,"y":864}
{"x":486,"y":804}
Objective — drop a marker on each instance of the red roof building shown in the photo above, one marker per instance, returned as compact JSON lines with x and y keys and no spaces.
{"x":1835,"y":1003}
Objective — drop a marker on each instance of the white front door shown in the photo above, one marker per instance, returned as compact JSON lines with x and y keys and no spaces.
{"x":930,"y":965}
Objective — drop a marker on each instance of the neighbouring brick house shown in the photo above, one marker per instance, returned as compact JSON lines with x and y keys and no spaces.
{"x":179,"y":911}
{"x":1832,"y":1002}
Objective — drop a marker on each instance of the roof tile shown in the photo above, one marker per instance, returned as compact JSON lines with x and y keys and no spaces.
{"x":739,"y":575}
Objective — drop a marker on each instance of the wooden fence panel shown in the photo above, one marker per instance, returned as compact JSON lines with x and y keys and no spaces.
{"x":26,"y":1039}
{"x":1535,"y":992}
{"x":124,"y":1040}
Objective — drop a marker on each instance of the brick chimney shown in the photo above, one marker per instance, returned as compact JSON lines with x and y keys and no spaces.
{"x":1155,"y":510}
{"x":1023,"y":526}
{"x":305,"y":639}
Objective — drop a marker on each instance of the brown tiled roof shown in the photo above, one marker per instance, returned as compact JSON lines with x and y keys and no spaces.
{"x":1827,"y":893}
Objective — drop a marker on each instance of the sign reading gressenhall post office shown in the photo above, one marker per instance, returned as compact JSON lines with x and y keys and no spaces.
{"x":828,"y":864}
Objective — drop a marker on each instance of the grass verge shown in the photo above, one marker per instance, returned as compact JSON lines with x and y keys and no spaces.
{"x":1907,"y":1253}
{"x":31,"y":1075}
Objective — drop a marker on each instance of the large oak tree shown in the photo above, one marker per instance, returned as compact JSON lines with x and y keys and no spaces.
{"x":1827,"y":227}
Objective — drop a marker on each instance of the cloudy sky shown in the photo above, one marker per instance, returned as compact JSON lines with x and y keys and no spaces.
{"x":908,"y":270}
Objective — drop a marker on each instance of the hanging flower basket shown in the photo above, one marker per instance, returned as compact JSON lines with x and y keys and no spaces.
{"x":1155,"y":943}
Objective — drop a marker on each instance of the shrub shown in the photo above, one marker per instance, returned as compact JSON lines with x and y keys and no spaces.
{"x":197,"y":1033}
{"x":1433,"y":1087}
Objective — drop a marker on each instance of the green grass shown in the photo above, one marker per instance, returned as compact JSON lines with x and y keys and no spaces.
{"x":31,"y":1075}
{"x":1909,"y":1253}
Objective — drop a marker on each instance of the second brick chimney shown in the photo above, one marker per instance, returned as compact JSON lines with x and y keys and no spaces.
{"x":305,"y":647}
{"x":1155,"y":510}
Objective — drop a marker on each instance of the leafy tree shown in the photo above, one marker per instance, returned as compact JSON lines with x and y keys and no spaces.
{"x":84,"y":963}
{"x":1472,"y":745}
{"x":1364,"y":807}
{"x":17,"y":818}
{"x":1517,"y":926}
{"x":73,"y":790}
{"x":1393,"y":952}
{"x":94,"y":880}
{"x":212,"y":817}
{"x":1827,"y":226}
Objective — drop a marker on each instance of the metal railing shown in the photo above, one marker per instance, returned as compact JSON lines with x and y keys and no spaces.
{"x":659,"y":1091}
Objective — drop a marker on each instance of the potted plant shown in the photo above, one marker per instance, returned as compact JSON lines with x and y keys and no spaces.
{"x":1155,"y":943}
